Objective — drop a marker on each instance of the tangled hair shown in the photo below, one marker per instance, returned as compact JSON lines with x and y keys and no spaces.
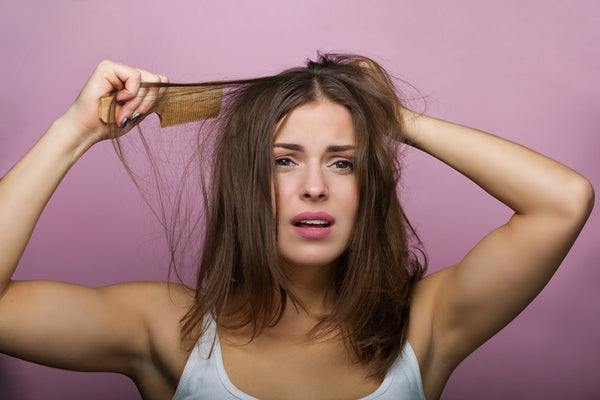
{"x":375,"y":275}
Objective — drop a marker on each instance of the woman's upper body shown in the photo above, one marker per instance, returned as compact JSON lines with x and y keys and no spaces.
{"x":135,"y":328}
{"x":206,"y":377}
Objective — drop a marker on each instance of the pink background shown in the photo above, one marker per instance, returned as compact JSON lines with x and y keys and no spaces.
{"x":528,"y":71}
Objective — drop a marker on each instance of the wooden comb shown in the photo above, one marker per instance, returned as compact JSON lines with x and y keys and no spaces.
{"x":178,"y":105}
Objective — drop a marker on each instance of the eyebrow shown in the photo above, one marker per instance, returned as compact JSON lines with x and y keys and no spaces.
{"x":330,"y":148}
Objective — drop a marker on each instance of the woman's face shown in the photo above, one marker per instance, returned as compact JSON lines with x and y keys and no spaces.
{"x":317,"y":185}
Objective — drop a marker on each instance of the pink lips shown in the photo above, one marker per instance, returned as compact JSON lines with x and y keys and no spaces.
{"x":323,"y":224}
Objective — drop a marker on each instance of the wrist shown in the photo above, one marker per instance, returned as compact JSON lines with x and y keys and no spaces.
{"x":70,"y":136}
{"x":410,"y":125}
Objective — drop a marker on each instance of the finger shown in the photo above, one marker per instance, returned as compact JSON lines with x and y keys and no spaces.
{"x":143,"y":102}
{"x":129,"y":109}
{"x":126,"y":80}
{"x":135,"y":100}
{"x":162,"y":90}
{"x":151,"y":94}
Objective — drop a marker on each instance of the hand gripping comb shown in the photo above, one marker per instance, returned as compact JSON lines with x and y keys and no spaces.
{"x":178,"y":105}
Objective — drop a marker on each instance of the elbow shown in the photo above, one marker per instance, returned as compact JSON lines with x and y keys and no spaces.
{"x":580,"y":194}
{"x":590,"y":198}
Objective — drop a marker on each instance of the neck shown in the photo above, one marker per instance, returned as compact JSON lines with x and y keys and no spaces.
{"x":314,"y":292}
{"x":312,"y":287}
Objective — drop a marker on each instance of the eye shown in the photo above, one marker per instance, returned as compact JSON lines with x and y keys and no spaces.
{"x":343,"y":165}
{"x":283,"y":162}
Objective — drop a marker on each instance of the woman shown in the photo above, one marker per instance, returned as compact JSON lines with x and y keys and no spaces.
{"x":307,"y":277}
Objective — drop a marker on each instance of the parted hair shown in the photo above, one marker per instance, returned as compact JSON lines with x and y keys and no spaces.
{"x":241,"y":280}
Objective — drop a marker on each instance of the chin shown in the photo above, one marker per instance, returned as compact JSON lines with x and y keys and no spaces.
{"x":309,"y":259}
{"x":303,"y":254}
{"x":310,"y":263}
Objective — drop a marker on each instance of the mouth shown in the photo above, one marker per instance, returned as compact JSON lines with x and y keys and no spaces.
{"x":313,"y":225}
{"x":308,"y":219}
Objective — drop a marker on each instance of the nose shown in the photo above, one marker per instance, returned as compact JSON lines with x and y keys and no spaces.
{"x":314,"y":186}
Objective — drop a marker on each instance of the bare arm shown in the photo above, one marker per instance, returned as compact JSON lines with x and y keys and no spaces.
{"x":53,"y":323}
{"x":471,"y":301}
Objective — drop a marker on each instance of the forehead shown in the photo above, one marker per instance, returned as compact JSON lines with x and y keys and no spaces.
{"x":318,"y":122}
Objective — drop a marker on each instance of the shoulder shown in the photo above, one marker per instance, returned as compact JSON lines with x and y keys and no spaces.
{"x":161,"y":306}
{"x":151,"y":301}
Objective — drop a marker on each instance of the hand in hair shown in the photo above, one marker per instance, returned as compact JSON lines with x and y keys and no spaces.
{"x":134,"y":101}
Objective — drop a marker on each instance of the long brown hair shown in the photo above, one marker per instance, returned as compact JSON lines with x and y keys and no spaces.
{"x":375,"y":276}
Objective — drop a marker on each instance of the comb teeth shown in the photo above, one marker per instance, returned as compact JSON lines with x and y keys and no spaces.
{"x":182,"y":104}
{"x":178,"y":105}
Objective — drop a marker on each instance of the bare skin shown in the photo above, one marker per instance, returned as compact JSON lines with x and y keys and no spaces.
{"x":454,"y":311}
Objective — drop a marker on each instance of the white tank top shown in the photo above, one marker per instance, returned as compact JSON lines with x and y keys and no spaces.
{"x":204,"y":378}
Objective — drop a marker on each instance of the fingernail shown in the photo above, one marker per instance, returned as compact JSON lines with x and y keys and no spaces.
{"x":124,"y":122}
{"x":136,"y":116}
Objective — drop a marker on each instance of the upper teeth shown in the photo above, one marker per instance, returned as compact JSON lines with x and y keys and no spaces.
{"x":314,"y":222}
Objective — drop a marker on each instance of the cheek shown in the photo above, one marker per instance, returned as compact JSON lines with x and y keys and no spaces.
{"x":277,"y":193}
{"x":351,"y":197}
{"x":284,"y":190}
{"x":280,"y":196}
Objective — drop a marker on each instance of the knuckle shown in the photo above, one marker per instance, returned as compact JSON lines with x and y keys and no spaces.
{"x":103,"y":66}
